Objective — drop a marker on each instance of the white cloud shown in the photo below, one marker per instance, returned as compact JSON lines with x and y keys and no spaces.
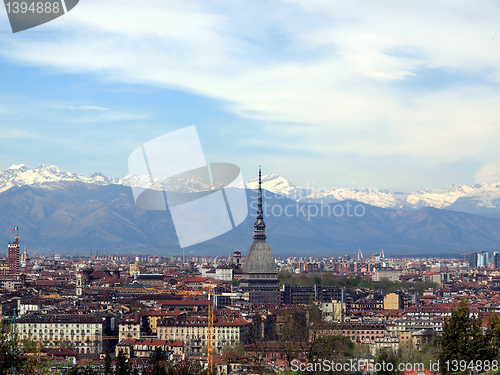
{"x":11,"y":133}
{"x":82,"y":107}
{"x":349,"y":76}
{"x":489,"y":173}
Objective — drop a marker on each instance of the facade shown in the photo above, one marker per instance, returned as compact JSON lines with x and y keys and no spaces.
{"x":385,"y":273}
{"x":387,"y":342}
{"x":84,"y":333}
{"x":260,"y":275}
{"x":495,"y":260}
{"x":142,"y":348}
{"x":224,"y":273}
{"x":193,"y":331}
{"x":433,"y":277}
{"x":4,"y":267}
{"x":13,"y":256}
{"x":473,"y":260}
{"x":359,"y":332}
{"x":293,"y":295}
{"x":333,"y":311}
{"x":393,"y":301}
{"x":130,"y":327}
{"x":482,"y":259}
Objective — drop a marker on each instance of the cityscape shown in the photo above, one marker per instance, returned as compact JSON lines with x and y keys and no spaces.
{"x":232,"y":314}
{"x":288,"y":187}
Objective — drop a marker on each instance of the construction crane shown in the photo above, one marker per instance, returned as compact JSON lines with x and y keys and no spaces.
{"x":211,"y":295}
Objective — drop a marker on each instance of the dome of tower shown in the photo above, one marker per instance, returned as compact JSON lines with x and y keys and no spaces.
{"x":260,"y":259}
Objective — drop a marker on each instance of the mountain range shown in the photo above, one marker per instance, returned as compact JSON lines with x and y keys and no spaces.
{"x":482,"y":199}
{"x":69,"y":213}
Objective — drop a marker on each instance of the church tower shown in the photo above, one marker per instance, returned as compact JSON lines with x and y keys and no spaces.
{"x":260,"y":274}
{"x":79,"y":284}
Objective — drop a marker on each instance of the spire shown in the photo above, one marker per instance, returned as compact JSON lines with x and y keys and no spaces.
{"x":259,"y":233}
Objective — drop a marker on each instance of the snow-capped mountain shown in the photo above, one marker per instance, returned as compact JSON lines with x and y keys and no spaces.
{"x":479,"y":199}
{"x":280,"y":185}
{"x":19,"y":175}
{"x":474,"y":199}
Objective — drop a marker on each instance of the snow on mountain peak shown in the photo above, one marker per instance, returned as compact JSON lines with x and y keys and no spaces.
{"x":480,"y":195}
{"x":17,"y":166}
{"x":20,"y":175}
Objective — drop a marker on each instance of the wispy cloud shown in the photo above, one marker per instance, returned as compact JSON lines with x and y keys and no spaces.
{"x":82,"y":107}
{"x":12,"y":133}
{"x":343,"y":73}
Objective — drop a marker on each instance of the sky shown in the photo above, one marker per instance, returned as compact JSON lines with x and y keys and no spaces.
{"x":396,"y":95}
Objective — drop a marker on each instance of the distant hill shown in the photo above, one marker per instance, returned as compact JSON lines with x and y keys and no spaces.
{"x":74,"y":217}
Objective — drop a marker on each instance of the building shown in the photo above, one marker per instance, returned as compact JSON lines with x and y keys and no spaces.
{"x":260,"y":275}
{"x":432,"y":277}
{"x":473,"y":260}
{"x":149,"y":279}
{"x":333,"y":311}
{"x":388,"y":273}
{"x":13,"y":256}
{"x":83,"y":333}
{"x":358,"y":332}
{"x":130,"y":327}
{"x":387,"y":342}
{"x":142,"y":348}
{"x":299,"y":295}
{"x":224,"y":273}
{"x":495,"y":260}
{"x":393,"y":301}
{"x":482,"y":259}
{"x":193,"y":331}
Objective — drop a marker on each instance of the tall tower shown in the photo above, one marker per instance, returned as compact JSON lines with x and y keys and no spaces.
{"x":79,"y":284}
{"x":13,"y":256}
{"x":260,"y":274}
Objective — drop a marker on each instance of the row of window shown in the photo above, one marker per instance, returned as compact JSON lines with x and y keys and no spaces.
{"x":363,"y":332}
{"x":62,"y":331}
{"x":45,"y":325}
{"x":223,"y":330}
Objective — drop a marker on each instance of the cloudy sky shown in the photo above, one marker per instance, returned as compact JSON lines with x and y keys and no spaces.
{"x":389,"y":94}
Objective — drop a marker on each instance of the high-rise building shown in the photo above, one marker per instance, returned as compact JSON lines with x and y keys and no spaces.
{"x":260,"y":275}
{"x":13,"y":256}
{"x":495,"y":260}
{"x":473,"y":260}
{"x":482,"y":259}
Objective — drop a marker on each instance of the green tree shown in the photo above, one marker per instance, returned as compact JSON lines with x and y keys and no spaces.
{"x":388,"y":362}
{"x":463,"y":337}
{"x":20,"y":357}
{"x":107,"y":364}
{"x":157,"y":363}
{"x":122,"y":365}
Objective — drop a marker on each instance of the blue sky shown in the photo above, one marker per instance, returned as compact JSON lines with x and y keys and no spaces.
{"x":396,"y":95}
